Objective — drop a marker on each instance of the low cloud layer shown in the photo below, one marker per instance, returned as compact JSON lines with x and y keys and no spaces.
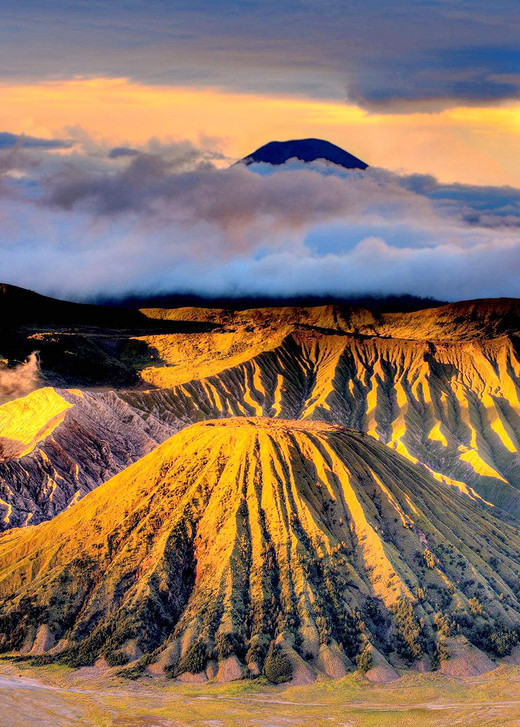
{"x":93,"y":224}
{"x":11,"y":141}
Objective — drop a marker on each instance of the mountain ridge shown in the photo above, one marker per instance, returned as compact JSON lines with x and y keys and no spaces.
{"x":441,"y":385}
{"x":238,"y":537}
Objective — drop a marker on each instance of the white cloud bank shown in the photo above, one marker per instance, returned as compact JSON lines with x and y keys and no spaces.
{"x":88,"y":224}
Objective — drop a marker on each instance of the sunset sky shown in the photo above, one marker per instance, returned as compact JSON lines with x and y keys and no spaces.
{"x":426,"y":91}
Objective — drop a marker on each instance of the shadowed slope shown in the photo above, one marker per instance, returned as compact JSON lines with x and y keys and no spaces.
{"x":234,"y":533}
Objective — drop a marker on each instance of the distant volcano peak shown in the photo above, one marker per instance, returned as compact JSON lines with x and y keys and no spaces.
{"x":306,"y":150}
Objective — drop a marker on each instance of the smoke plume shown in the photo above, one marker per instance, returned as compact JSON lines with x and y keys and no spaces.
{"x":19,"y":380}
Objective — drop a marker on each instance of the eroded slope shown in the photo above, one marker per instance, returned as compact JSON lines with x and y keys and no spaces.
{"x":63,"y":443}
{"x":441,"y":386}
{"x":453,"y":406}
{"x":236,"y":534}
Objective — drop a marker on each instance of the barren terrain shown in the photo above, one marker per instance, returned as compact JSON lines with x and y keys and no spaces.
{"x":59,"y":697}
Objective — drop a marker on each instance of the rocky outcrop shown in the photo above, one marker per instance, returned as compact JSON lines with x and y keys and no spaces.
{"x":97,"y":436}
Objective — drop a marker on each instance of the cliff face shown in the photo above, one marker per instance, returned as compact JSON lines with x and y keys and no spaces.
{"x":440,"y":386}
{"x":62,"y":444}
{"x":451,"y":406}
{"x":238,"y":537}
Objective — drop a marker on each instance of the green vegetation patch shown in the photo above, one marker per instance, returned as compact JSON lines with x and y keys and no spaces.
{"x":277,"y":666}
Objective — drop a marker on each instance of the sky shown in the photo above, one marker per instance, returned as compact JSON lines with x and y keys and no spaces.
{"x":119,"y":122}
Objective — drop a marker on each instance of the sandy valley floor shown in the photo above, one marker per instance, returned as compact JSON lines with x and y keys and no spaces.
{"x":58,"y":697}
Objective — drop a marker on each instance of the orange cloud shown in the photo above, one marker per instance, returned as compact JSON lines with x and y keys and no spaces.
{"x":471,"y":145}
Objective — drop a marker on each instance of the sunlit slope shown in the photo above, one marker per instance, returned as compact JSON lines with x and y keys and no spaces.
{"x":330,"y":316}
{"x":486,"y":318}
{"x":57,"y":445}
{"x":453,"y":406}
{"x":440,"y":385}
{"x":181,"y":358}
{"x":236,"y":533}
{"x":26,"y":421}
{"x":243,"y":335}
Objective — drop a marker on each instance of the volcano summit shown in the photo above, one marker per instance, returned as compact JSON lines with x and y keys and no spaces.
{"x":277,"y":153}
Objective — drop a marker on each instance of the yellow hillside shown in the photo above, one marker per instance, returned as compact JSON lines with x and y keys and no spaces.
{"x":236,"y":534}
{"x":26,"y":421}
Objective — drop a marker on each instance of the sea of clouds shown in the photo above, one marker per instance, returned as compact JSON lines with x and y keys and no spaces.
{"x":84,"y":221}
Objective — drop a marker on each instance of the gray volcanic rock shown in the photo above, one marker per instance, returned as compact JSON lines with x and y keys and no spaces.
{"x":100,"y":435}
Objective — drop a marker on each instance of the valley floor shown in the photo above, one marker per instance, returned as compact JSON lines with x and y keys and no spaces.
{"x":60,"y":697}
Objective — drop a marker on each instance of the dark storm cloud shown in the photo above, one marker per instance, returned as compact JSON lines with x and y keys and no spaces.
{"x":122,"y":151}
{"x":10,"y":141}
{"x":433,"y":78}
{"x":398,"y":56}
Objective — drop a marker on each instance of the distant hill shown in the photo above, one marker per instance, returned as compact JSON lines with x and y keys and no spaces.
{"x":24,"y":307}
{"x":382,"y":303}
{"x":77,"y":344}
{"x":306,"y":150}
{"x":21,"y":307}
{"x":255,"y":544}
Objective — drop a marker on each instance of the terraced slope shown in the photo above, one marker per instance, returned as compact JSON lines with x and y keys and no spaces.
{"x":441,"y":386}
{"x":237,"y":541}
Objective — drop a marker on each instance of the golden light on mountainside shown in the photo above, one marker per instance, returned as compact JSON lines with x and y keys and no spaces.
{"x":264,"y":536}
{"x":26,"y":421}
{"x":259,"y":363}
{"x":237,"y":537}
{"x":439,"y":386}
